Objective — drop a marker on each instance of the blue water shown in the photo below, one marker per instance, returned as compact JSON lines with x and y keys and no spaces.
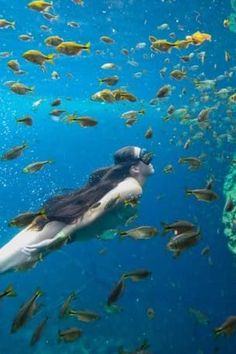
{"x":176,"y":284}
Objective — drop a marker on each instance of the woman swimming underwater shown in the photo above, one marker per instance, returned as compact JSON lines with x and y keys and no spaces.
{"x":107,"y":189}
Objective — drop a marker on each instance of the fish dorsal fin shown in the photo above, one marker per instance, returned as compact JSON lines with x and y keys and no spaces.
{"x":209,"y":184}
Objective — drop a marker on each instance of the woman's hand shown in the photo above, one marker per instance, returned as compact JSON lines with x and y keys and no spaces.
{"x":35,"y":248}
{"x":31,"y":249}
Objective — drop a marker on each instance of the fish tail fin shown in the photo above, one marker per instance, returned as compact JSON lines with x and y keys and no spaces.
{"x":188,"y":192}
{"x":25,"y":145}
{"x":142,"y":111}
{"x":10,"y":291}
{"x":165,"y":228}
{"x":59,"y":336}
{"x":50,"y":58}
{"x":13,"y":25}
{"x":122,"y":233}
{"x":73,"y":295}
{"x":100,"y":81}
{"x":217,"y":331}
{"x":32,"y":88}
{"x":39,"y":293}
{"x":87,"y":47}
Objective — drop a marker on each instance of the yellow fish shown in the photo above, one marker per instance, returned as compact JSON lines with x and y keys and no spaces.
{"x":72,"y":48}
{"x":37,"y":57}
{"x":39,"y":5}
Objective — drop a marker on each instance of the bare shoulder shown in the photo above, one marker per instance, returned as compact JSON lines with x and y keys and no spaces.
{"x":129,"y":187}
{"x":124,"y":190}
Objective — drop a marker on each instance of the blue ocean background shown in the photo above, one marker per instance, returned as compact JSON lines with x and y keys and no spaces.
{"x":176,"y":284}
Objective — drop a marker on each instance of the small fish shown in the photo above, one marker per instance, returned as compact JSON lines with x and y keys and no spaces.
{"x":106,"y":39}
{"x":108,"y":66}
{"x":5,"y":54}
{"x":7,"y":24}
{"x":56,"y":102}
{"x":198,"y":38}
{"x":131,"y":219}
{"x":73,"y":24}
{"x":64,"y":310}
{"x":232,"y":98}
{"x":205,"y":251}
{"x":149,"y":133}
{"x":57,"y":112}
{"x":178,"y":74}
{"x":53,"y":41}
{"x":38,"y":5}
{"x":83,"y":121}
{"x":163,"y":27}
{"x":193,"y":162}
{"x":131,"y":121}
{"x":133,"y":63}
{"x":73,"y":48}
{"x":140,"y":45}
{"x":178,"y":227}
{"x":108,"y":234}
{"x":200,"y":317}
{"x":124,"y":51}
{"x":38,"y":331}
{"x":14,"y":152}
{"x":164,"y":91}
{"x":187,"y":143}
{"x":186,"y":58}
{"x":26,"y":37}
{"x":78,"y":2}
{"x":204,"y":114}
{"x":14,"y":65}
{"x":25,"y":219}
{"x":227,"y":328}
{"x":132,"y":114}
{"x":84,"y":316}
{"x":70,"y":334}
{"x":137,"y":275}
{"x":26,"y":311}
{"x":103,"y":96}
{"x":150,"y":313}
{"x":116,"y":292}
{"x":55,"y":75}
{"x":9,"y":292}
{"x":161,"y":45}
{"x":204,"y":194}
{"x":168,"y":169}
{"x":111,"y":80}
{"x":27,"y":120}
{"x":227,"y":56}
{"x":122,"y":95}
{"x":140,"y":233}
{"x":49,"y":16}
{"x":45,"y":28}
{"x":37,"y":57}
{"x":141,"y":349}
{"x":36,"y":166}
{"x":183,"y":241}
{"x":21,"y":89}
{"x":229,"y":205}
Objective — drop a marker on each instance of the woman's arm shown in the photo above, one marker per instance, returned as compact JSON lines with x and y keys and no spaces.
{"x":125,"y":190}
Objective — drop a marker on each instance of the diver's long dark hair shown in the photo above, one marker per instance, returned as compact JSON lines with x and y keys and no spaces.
{"x":70,"y":206}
